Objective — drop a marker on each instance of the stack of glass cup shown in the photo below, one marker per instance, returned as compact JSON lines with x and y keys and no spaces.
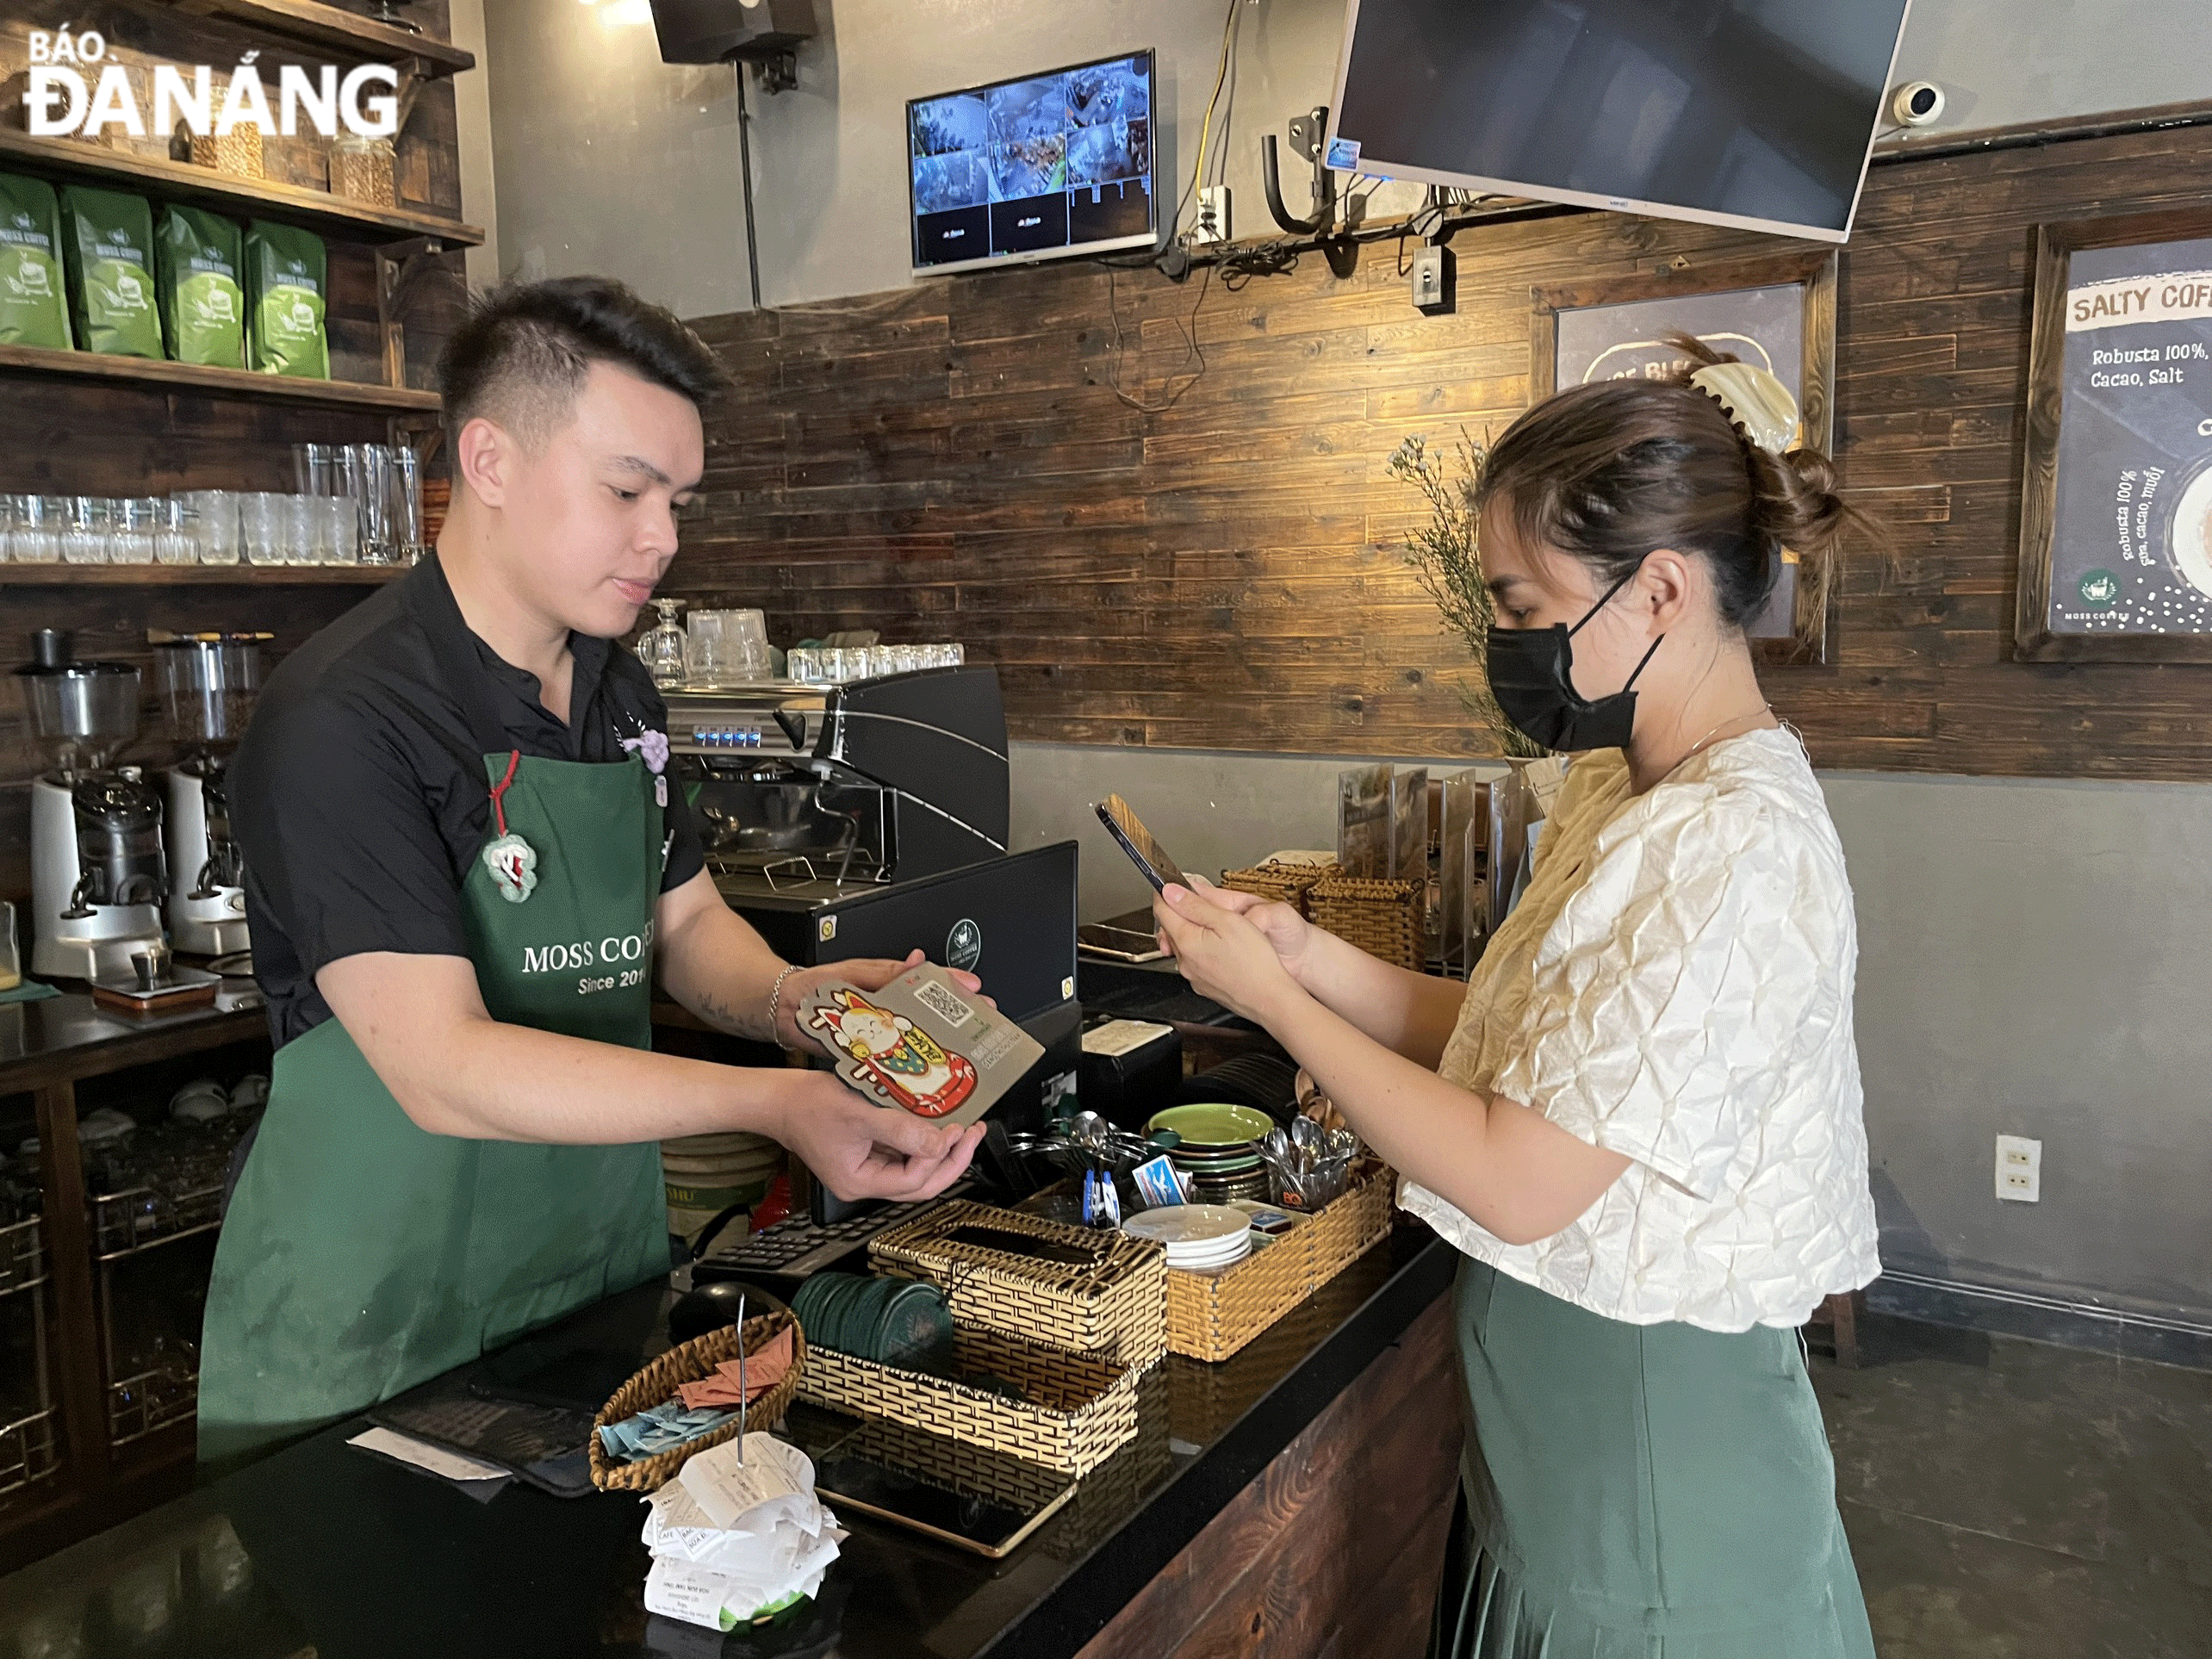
{"x":357,"y":504}
{"x":384,"y":483}
{"x":833,"y":665}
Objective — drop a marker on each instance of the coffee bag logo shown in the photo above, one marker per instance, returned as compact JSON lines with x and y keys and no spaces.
{"x":964,"y":945}
{"x":2100,"y":589}
{"x":63,"y":103}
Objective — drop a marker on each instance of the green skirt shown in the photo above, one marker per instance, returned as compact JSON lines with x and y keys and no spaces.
{"x":1639,"y":1492}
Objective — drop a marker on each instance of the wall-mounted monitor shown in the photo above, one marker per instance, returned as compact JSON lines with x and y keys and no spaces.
{"x":1034,"y":168}
{"x":1756,"y":113}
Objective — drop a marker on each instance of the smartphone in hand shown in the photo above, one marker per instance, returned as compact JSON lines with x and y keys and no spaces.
{"x":1146,"y":854}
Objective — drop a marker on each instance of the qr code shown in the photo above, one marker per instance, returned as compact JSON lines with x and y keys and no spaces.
{"x":937,"y":997}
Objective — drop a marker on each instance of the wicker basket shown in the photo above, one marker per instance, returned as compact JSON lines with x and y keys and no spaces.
{"x":1286,"y":884}
{"x":1384,"y":918}
{"x":692,"y":1362}
{"x":1115,"y":1308}
{"x":1211,"y":1316}
{"x":1076,"y":1410}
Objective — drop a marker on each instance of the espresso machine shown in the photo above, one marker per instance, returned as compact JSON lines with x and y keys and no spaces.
{"x":208,"y":683}
{"x":870,"y":818}
{"x":98,"y":876}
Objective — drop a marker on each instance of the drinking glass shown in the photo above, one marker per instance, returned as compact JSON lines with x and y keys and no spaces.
{"x":261,"y":527}
{"x":176,"y":532}
{"x":881,"y":659}
{"x":302,"y":522}
{"x":131,"y":529}
{"x":665,"y":649}
{"x":36,"y":538}
{"x":404,"y":480}
{"x":313,"y":469}
{"x":709,"y":663}
{"x":804,"y":666}
{"x":956,"y":656}
{"x":217,"y":531}
{"x":85,"y":538}
{"x":11,"y":513}
{"x":338,"y":530}
{"x":745,"y":644}
{"x":905,"y":659}
{"x":370,"y":469}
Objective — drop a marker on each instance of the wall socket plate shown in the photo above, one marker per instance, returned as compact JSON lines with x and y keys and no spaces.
{"x":2019,"y":1169}
{"x":1428,"y":280}
{"x":1213,"y":226}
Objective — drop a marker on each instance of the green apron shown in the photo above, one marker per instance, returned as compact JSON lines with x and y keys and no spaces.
{"x":362,"y":1255}
{"x":1639,"y":1492}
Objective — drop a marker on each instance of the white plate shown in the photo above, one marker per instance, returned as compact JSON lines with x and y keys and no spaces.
{"x":1199,"y":1253}
{"x":1187,"y":1224}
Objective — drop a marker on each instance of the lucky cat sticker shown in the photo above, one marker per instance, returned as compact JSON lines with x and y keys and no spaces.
{"x":922,"y":1043}
{"x":887,"y":1055}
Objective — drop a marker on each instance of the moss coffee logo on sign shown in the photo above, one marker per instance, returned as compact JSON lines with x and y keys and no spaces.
{"x":73,"y":92}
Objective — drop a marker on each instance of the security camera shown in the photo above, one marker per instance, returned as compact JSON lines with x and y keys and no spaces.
{"x":1918,"y":103}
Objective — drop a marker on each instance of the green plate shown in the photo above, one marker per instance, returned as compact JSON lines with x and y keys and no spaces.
{"x":1217,"y":1125}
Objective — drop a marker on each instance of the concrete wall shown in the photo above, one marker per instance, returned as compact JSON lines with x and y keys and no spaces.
{"x":2032,"y":952}
{"x":610,"y":160}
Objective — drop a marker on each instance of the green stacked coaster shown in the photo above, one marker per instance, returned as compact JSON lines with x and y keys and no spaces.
{"x":898,"y":1322}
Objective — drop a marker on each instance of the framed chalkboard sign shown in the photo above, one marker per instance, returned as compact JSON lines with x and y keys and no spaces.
{"x":2116,"y":513}
{"x":1779,"y":312}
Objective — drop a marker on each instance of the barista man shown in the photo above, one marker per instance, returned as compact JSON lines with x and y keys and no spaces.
{"x":465,"y":870}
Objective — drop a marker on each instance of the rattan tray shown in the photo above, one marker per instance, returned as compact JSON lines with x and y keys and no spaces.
{"x":1077,"y":1409}
{"x":1115,"y":1308}
{"x":1286,"y":884}
{"x":1384,"y":918}
{"x":689,"y":1363}
{"x":1211,"y":1316}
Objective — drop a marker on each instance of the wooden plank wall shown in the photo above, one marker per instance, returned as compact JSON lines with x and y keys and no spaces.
{"x":97,"y":438}
{"x":952,"y":461}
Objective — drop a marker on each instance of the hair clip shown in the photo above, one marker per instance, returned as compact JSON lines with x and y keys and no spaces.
{"x":1755,"y":401}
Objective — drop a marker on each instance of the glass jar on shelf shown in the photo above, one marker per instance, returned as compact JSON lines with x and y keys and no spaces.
{"x":363,"y":169}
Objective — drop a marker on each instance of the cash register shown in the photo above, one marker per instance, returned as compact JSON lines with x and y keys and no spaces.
{"x":870,"y":819}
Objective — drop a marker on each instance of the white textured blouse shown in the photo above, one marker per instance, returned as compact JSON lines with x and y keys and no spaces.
{"x":1675,"y":985}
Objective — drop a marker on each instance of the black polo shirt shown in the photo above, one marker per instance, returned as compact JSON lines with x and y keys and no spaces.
{"x":358,"y":794}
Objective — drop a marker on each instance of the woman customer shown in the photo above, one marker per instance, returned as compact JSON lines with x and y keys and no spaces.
{"x":1640,"y":1119}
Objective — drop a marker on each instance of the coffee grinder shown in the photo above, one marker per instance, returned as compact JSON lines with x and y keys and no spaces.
{"x":208,"y":686}
{"x":97,"y":875}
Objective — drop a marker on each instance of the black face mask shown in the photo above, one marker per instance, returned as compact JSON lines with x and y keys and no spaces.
{"x":1531,"y":672}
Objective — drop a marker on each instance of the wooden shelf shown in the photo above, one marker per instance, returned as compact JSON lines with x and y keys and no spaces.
{"x":162,"y":375}
{"x":336,"y":216}
{"x":199,"y":576}
{"x":333,"y":28}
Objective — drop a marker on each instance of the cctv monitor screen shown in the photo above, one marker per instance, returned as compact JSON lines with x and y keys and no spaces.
{"x":1757,"y":113}
{"x":1034,"y":169}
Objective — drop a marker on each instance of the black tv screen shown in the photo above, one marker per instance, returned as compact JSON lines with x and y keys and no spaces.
{"x":1759,"y":112}
{"x":1033,"y":168}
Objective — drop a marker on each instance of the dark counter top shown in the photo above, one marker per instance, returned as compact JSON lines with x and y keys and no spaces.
{"x":68,"y":1036}
{"x":324,"y":1546}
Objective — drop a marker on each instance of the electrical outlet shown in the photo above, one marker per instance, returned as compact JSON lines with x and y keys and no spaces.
{"x":1429,"y":281}
{"x":1212,"y":216}
{"x":2019,"y":1169}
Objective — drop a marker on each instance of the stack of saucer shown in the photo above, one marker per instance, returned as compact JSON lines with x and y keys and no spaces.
{"x":1218,"y":1155}
{"x":1198,"y":1237}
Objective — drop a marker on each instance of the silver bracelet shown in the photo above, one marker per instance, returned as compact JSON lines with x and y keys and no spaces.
{"x":775,"y":997}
